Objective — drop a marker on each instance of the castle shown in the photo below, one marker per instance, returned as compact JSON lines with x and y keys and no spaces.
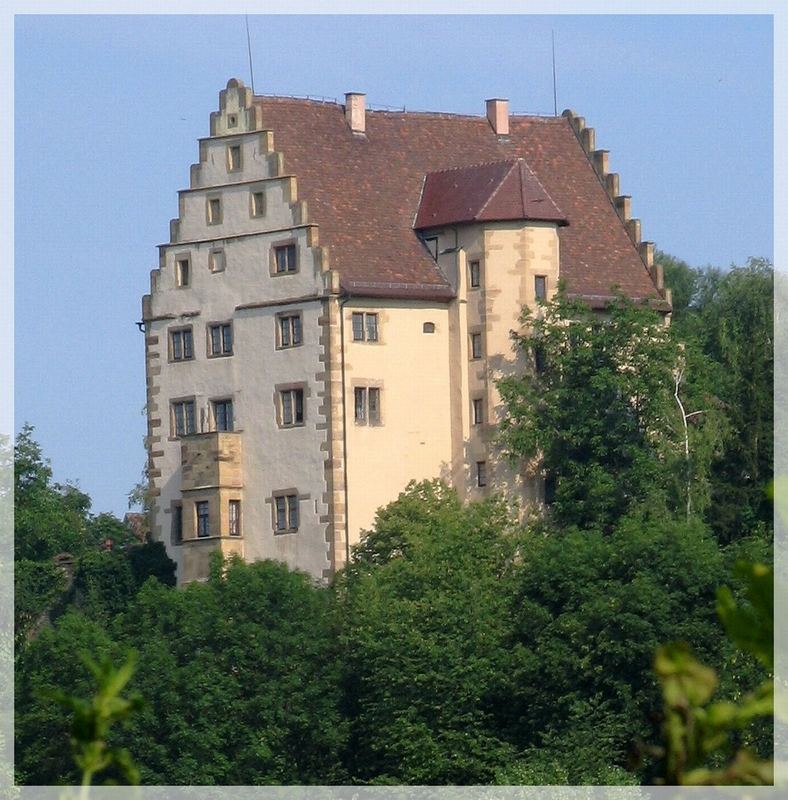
{"x":335,"y":303}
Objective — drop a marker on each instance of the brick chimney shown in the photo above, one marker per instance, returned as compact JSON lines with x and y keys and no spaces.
{"x":355,"y":111}
{"x":498,"y":115}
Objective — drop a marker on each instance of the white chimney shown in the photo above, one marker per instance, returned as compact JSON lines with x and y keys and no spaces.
{"x":355,"y":111}
{"x":498,"y":115}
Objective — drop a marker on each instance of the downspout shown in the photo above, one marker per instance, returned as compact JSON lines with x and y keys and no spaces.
{"x":344,"y":422}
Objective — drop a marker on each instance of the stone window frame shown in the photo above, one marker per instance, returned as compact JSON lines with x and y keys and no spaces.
{"x":477,"y":410}
{"x":210,"y":217}
{"x":476,"y":335}
{"x":171,"y":333}
{"x":478,"y":276}
{"x":279,"y":245}
{"x":287,"y":494}
{"x":234,"y":165}
{"x":540,"y":298}
{"x":183,"y":276}
{"x":481,"y":474}
{"x":212,"y":263}
{"x":365,"y":317}
{"x":220,"y":325}
{"x":288,"y":315}
{"x":365,"y":386}
{"x":176,"y":401}
{"x":279,"y":389}
{"x":256,"y":212}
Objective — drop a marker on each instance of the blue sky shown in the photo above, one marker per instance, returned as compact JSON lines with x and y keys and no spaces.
{"x":108,"y":110}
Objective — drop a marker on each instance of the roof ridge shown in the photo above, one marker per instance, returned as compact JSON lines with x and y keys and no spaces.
{"x":475,"y":166}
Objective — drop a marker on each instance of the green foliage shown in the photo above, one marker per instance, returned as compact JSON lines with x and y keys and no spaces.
{"x":602,"y":413}
{"x":151,"y":560}
{"x":589,"y":611}
{"x":48,"y":518}
{"x":424,"y":638}
{"x":51,"y":663}
{"x":36,"y":587}
{"x":93,"y":718}
{"x":696,"y":729}
{"x":103,"y":584}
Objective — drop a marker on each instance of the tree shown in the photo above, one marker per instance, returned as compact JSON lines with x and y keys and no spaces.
{"x":599,"y":408}
{"x":424,"y":638}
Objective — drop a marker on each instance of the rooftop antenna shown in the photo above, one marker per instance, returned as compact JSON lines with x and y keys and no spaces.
{"x":555,"y":95}
{"x":249,"y":49}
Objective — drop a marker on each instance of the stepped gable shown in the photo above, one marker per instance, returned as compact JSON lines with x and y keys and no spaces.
{"x":364,"y":192}
{"x":499,"y":191}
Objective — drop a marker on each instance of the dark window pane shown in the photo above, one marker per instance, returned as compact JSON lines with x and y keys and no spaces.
{"x":372,"y":327}
{"x":281,"y":514}
{"x":361,"y":404}
{"x":374,"y":405}
{"x":299,"y":405}
{"x":177,"y":351}
{"x":540,"y":287}
{"x":188,"y":349}
{"x":292,"y":511}
{"x":358,"y":327}
{"x":475,"y":277}
{"x":287,"y":408}
{"x":296,"y":329}
{"x":284,"y":331}
{"x":227,"y":338}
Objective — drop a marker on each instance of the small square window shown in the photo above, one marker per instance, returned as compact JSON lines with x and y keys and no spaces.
{"x":234,"y":517}
{"x":182,"y":272}
{"x":216,"y":259}
{"x":183,"y":417}
{"x":475,"y":274}
{"x":214,"y":211}
{"x":428,"y":327}
{"x":481,"y":473}
{"x":291,"y":407}
{"x":540,"y":288}
{"x":285,"y":258}
{"x":233,"y":157}
{"x":181,"y":345}
{"x":478,"y":411}
{"x":222,"y":415}
{"x":290,"y":330}
{"x":258,"y":204}
{"x":476,"y":345}
{"x":220,"y":339}
{"x":286,"y":513}
{"x":203,"y":518}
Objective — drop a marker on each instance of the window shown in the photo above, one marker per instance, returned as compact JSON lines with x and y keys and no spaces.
{"x":214,"y":211}
{"x":475,"y":274}
{"x":429,"y":327}
{"x":286,"y":508}
{"x":481,"y":473}
{"x":220,"y":339}
{"x":476,"y":345}
{"x":216,"y":260}
{"x":177,"y":523}
{"x":478,"y":411}
{"x":203,"y":518}
{"x":289,"y":330}
{"x":234,"y":518}
{"x":233,"y":157}
{"x":182,"y":272}
{"x":181,"y":345}
{"x":285,"y":258}
{"x":183,"y":417}
{"x":539,"y":358}
{"x":367,"y":405}
{"x":540,"y":288}
{"x":291,"y":406}
{"x":223,"y":415}
{"x":258,"y":204}
{"x":232,"y":120}
{"x":365,"y":327}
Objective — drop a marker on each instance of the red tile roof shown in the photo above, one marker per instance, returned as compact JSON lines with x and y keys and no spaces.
{"x":364,"y":193}
{"x":502,"y":190}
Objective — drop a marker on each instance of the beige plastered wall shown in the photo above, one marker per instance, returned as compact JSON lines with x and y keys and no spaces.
{"x":413,"y":439}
